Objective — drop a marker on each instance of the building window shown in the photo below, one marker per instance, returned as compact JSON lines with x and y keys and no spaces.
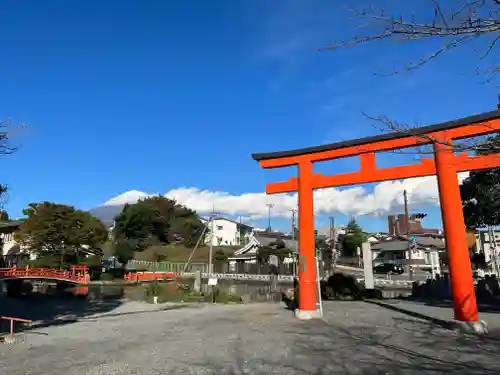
{"x":219,"y":227}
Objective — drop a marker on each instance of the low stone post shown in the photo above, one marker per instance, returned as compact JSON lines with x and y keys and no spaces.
{"x":197,"y":282}
{"x":273,"y":276}
{"x":368,"y":270}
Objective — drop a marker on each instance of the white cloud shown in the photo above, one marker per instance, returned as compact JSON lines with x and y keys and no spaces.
{"x":384,"y":198}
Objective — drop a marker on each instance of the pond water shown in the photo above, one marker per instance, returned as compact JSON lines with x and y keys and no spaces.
{"x":248,"y":290}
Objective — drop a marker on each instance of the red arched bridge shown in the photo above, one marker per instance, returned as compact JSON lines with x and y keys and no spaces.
{"x":77,"y":274}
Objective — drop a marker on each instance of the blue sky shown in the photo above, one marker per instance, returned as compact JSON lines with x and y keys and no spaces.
{"x":154,"y":96}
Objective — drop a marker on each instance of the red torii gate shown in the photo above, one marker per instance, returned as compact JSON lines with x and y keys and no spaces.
{"x":445,"y":164}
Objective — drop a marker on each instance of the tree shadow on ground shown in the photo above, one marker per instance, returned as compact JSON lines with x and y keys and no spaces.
{"x":51,"y":310}
{"x":483,"y":306}
{"x":405,"y":346}
{"x":408,"y":347}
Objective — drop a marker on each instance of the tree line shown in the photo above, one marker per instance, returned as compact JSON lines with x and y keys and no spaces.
{"x":61,"y":235}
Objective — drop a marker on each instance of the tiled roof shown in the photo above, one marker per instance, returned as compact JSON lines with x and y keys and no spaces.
{"x":400,"y":243}
{"x":11,"y":224}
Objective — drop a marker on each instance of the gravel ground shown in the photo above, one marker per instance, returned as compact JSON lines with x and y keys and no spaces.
{"x":353,"y":338}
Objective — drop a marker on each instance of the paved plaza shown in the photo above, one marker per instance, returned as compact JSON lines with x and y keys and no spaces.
{"x":353,"y":338}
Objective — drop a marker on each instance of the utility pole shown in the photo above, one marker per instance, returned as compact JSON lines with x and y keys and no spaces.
{"x":407,"y":220}
{"x":239,"y":232}
{"x":269,"y":207}
{"x":333,"y":241}
{"x":294,"y":211}
{"x":210,"y":265}
{"x":186,"y":266}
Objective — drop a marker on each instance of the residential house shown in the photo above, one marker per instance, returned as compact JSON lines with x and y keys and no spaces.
{"x":12,"y":252}
{"x":394,"y":249}
{"x":227,"y":232}
{"x":248,"y":253}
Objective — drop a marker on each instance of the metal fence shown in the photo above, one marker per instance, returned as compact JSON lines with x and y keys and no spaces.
{"x":241,"y":271}
{"x":142,"y":265}
{"x":218,"y":267}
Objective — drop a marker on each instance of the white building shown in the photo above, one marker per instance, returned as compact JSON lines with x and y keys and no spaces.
{"x":227,"y":232}
{"x":12,"y":253}
{"x":7,"y":229}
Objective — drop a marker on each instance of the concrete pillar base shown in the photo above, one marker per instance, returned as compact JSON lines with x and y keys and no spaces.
{"x":477,"y":327}
{"x":7,"y":339}
{"x":307,"y":314}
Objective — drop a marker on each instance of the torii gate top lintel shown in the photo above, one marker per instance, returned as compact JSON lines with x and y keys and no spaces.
{"x":475,"y":125}
{"x":367,"y":147}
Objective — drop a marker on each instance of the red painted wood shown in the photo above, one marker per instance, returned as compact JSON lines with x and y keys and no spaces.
{"x":78,"y":274}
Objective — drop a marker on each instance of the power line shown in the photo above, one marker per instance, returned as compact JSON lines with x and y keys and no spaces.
{"x":210,"y":220}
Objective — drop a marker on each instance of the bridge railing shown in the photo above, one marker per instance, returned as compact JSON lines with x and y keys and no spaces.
{"x":149,"y":276}
{"x":77,"y":273}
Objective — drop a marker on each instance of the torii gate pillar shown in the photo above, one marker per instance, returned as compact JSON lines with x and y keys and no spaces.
{"x":462,"y":284}
{"x":307,"y":263}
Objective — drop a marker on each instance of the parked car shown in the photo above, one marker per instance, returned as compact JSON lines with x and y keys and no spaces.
{"x":388,"y":268}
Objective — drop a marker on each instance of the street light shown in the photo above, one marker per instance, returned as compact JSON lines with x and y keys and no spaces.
{"x":269,"y":207}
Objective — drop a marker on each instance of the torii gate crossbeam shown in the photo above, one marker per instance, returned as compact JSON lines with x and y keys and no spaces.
{"x":445,"y":164}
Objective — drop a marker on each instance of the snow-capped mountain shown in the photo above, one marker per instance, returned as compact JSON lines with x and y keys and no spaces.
{"x":130,"y":197}
{"x":111,"y":208}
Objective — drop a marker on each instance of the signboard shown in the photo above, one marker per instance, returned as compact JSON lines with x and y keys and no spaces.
{"x":273,"y":265}
{"x":273,"y":260}
{"x":212,"y":281}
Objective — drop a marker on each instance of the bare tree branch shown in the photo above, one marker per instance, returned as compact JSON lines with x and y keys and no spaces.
{"x":477,"y":145}
{"x":4,"y":196}
{"x":7,"y":130}
{"x":457,"y":25}
{"x":469,"y":20}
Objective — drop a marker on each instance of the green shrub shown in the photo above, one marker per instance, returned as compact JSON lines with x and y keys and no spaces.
{"x":116,"y":273}
{"x":341,"y":286}
{"x":106,"y":276}
{"x":93,"y":261}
